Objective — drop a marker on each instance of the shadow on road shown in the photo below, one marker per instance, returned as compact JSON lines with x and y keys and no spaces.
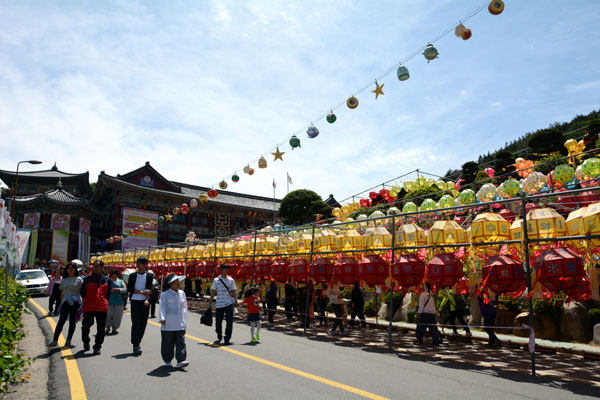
{"x":161,"y":372}
{"x":124,"y":355}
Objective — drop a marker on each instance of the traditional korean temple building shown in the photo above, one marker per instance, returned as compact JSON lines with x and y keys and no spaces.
{"x":121,"y":202}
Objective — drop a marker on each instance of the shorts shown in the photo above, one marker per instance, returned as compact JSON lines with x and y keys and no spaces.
{"x":254,"y":317}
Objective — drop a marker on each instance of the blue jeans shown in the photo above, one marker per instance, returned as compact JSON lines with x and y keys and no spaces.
{"x":488,"y":322}
{"x":228,"y":312}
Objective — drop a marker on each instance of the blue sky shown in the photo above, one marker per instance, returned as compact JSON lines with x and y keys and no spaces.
{"x":200,"y":88}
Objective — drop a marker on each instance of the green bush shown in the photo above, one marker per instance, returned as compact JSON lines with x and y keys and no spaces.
{"x":594,"y":314}
{"x":548,"y":163}
{"x":549,"y":308}
{"x":397,"y":303}
{"x":372,"y":307}
{"x":411,"y":317}
{"x":12,"y":363}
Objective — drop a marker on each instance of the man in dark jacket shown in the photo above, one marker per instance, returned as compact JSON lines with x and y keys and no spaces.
{"x":358,"y":305}
{"x":95,"y":292}
{"x":139,"y":287}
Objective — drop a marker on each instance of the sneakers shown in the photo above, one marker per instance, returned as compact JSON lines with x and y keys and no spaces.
{"x":253,"y":340}
{"x":137,"y":350}
{"x":257,"y":337}
{"x":331,"y":332}
{"x":68,"y":343}
{"x":115,"y":332}
{"x":96,"y":351}
{"x":168,"y":364}
{"x":53,"y":343}
{"x":86,"y":346}
{"x":468,"y":334}
{"x":182,"y":364}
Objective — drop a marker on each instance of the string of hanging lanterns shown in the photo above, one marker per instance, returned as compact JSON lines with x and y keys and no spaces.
{"x":495,"y":7}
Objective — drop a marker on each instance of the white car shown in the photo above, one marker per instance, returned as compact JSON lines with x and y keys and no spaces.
{"x":35,"y":281}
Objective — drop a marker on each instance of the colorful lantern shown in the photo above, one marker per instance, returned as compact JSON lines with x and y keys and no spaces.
{"x":466,"y":197}
{"x":487,"y":193}
{"x":427,"y":205}
{"x":563,"y":174}
{"x":203,"y":198}
{"x":212,"y":193}
{"x":294,"y":142}
{"x":377,"y":237}
{"x":312,"y":132}
{"x":373,"y":270}
{"x":447,"y":201}
{"x":409,"y":235}
{"x":352,"y":102}
{"x":365,"y":203}
{"x":408,"y":270}
{"x":503,"y":274}
{"x":459,"y":30}
{"x":246,"y":169}
{"x":589,"y":197}
{"x":279,"y":270}
{"x":446,"y":232}
{"x":176,"y":211}
{"x":583,"y":291}
{"x":534,"y":182}
{"x":430,"y":53}
{"x":590,"y":224}
{"x":559,"y":269}
{"x":193,"y":203}
{"x":575,"y":227}
{"x":185,"y":208}
{"x":349,"y":240}
{"x":409,"y":207}
{"x":496,"y":7}
{"x":135,"y":231}
{"x":507,"y":214}
{"x":409,"y":185}
{"x":298,"y":270}
{"x":251,"y":171}
{"x":346,"y":270}
{"x":524,"y":167}
{"x":125,"y":234}
{"x":325,"y":240}
{"x":161,"y":219}
{"x":262,"y":269}
{"x":393,"y":211}
{"x":402,"y":73}
{"x":235,"y":178}
{"x":511,"y":187}
{"x":262,"y":163}
{"x":245,"y":271}
{"x":147,"y":226}
{"x":489,"y":227}
{"x":321,"y":270}
{"x":331,"y":117}
{"x":444,"y":270}
{"x":591,"y":167}
{"x":466,"y":34}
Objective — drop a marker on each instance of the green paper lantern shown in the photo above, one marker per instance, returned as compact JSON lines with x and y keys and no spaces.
{"x":235,"y":178}
{"x":294,"y":142}
{"x":591,"y":167}
{"x":430,"y":53}
{"x":427,"y":205}
{"x":447,"y":201}
{"x":466,"y":197}
{"x":511,"y":187}
{"x":409,"y":207}
{"x":564,"y":173}
{"x":402,"y":73}
{"x":331,"y":117}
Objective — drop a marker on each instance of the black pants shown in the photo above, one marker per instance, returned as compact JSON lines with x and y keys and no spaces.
{"x":322,"y":304}
{"x":291,"y":307}
{"x":228,"y":312}
{"x":458,"y":315}
{"x":66,"y":311}
{"x":153,"y":308}
{"x":339,"y":317}
{"x":488,"y":322}
{"x":427,"y":321}
{"x":272,"y":308}
{"x":139,"y":319}
{"x":358,"y":311}
{"x":172,"y":342}
{"x":54,"y":300}
{"x":88,"y":321}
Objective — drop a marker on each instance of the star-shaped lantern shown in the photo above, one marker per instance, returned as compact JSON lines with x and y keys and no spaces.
{"x":169,"y":218}
{"x":378,"y":89}
{"x":278,"y":155}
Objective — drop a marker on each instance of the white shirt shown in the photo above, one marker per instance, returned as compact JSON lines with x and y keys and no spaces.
{"x":173,"y":310}
{"x":223,"y":297}
{"x":140,"y":285}
{"x":426,"y":297}
{"x":334,"y":295}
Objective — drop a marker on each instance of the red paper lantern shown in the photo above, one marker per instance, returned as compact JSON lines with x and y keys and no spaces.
{"x":462,"y":286}
{"x":507,"y":214}
{"x":559,"y":269}
{"x":529,"y":207}
{"x":279,"y":270}
{"x":245,"y":271}
{"x":321,"y":270}
{"x":234,"y":268}
{"x":366,"y":203}
{"x":587,"y":198}
{"x":206,"y":269}
{"x":263,"y":269}
{"x":373,"y":195}
{"x":212,"y":193}
{"x":459,"y":220}
{"x":346,"y":270}
{"x":136,"y":231}
{"x":582,"y":292}
{"x":503,"y":274}
{"x":408,"y":270}
{"x":444,"y":270}
{"x":567,"y":203}
{"x":373,"y":270}
{"x":185,"y":208}
{"x":298,"y":270}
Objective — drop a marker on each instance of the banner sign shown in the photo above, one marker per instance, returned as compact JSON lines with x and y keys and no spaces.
{"x":22,"y":242}
{"x":31,"y":221}
{"x":60,"y":246}
{"x":83,"y":251}
{"x":133,"y":218}
{"x":33,"y":247}
{"x":84,"y":226}
{"x":60,"y":222}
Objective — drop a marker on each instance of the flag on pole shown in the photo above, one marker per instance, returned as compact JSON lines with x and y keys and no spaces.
{"x":290,"y":179}
{"x":274,"y":184}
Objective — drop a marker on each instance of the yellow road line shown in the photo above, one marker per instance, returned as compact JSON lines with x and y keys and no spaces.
{"x":294,"y":371}
{"x":75,"y":380}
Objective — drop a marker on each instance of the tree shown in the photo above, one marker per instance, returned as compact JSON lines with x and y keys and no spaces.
{"x":301,"y":207}
{"x":469,"y":170}
{"x":504,"y":163}
{"x":546,"y":141}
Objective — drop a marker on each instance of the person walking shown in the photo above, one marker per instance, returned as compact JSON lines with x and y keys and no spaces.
{"x":116,"y":304}
{"x":458,"y":307}
{"x":54,"y":288}
{"x":337,"y":303}
{"x":488,"y":312}
{"x":139,"y":287}
{"x":322,"y":301}
{"x":70,"y":287}
{"x":427,"y":312}
{"x":173,"y":315}
{"x":252,"y":303}
{"x":224,"y":288}
{"x":357,"y":303}
{"x":272,"y":301}
{"x":95,"y":292}
{"x":153,"y":299}
{"x":291,"y":300}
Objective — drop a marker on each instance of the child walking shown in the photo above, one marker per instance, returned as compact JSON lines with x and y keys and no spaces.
{"x":173,"y":318}
{"x":253,"y":304}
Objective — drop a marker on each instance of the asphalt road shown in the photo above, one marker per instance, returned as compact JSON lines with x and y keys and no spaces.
{"x":288,"y":365}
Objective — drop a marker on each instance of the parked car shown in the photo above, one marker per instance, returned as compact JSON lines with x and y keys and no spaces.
{"x":35,"y":281}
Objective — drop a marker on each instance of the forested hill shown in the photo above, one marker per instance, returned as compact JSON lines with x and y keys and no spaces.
{"x":518,"y":147}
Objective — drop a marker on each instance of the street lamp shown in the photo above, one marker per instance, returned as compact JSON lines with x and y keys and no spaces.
{"x":14,"y":205}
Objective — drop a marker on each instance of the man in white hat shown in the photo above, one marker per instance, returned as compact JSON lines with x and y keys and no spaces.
{"x":173,"y":320}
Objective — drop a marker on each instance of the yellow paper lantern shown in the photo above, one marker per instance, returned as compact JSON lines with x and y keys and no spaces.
{"x":487,"y":192}
{"x":409,"y":235}
{"x":545,"y":223}
{"x":377,"y":238}
{"x":336,"y":212}
{"x":349,"y":240}
{"x":262,"y":163}
{"x":487,"y":228}
{"x":446,"y":232}
{"x":574,"y":225}
{"x":534,"y":182}
{"x":591,"y":224}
